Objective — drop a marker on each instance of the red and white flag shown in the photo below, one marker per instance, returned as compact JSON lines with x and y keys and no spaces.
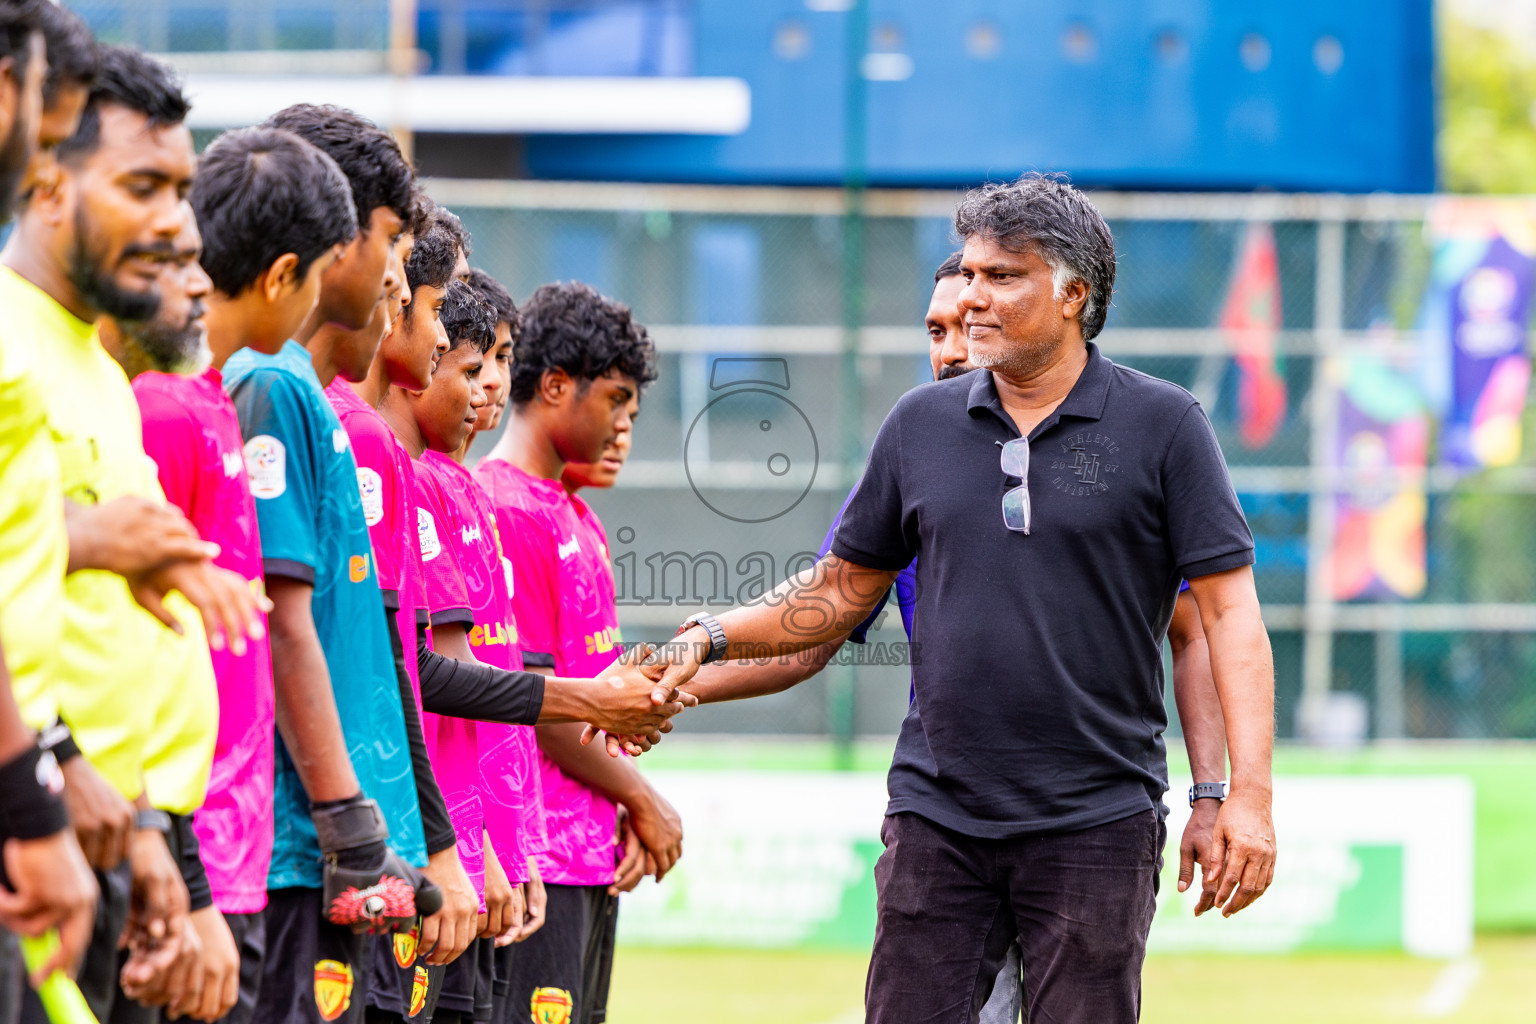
{"x":1251,"y":319}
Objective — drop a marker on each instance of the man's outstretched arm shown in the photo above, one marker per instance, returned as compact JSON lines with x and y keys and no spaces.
{"x":618,"y":700}
{"x":739,"y":680}
{"x":814,"y":607}
{"x":1243,"y":669}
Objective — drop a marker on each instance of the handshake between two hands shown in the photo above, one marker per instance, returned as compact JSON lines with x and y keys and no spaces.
{"x":638,"y":695}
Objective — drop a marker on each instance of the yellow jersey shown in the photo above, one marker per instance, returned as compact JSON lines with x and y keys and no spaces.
{"x":34,"y":547}
{"x":140,"y":700}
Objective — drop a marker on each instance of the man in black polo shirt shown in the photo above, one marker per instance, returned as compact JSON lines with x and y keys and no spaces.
{"x":1056,"y":502}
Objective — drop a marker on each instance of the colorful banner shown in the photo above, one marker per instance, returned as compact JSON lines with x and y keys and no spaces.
{"x":1474,"y":318}
{"x":782,"y":860}
{"x":1251,"y":317}
{"x":1379,"y":513}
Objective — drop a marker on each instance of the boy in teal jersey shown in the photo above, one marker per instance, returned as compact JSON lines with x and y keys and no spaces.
{"x":337,"y":697}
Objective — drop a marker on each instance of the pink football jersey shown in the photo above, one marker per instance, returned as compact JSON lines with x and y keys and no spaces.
{"x":386,"y":482}
{"x":567,"y":620}
{"x":514,"y":805}
{"x":452,"y":742}
{"x":192,"y":432}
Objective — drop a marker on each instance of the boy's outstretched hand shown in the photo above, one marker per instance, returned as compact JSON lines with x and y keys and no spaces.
{"x":639,"y":676}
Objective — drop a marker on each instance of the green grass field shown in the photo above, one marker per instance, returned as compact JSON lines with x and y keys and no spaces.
{"x":1497,"y":986}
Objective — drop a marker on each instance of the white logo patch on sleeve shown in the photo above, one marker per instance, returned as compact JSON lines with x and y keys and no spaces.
{"x":340,"y":440}
{"x":426,"y":532}
{"x":569,"y":548}
{"x":370,"y":487}
{"x":266,"y":461}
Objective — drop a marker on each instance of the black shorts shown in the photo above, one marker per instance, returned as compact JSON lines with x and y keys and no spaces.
{"x":568,"y":962}
{"x":458,"y":992}
{"x":467,"y":986}
{"x":401,"y":985}
{"x":314,"y":972}
{"x":501,"y":984}
{"x":485,"y":979}
{"x":250,"y":934}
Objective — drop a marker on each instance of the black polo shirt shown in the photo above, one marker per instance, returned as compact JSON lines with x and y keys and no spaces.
{"x":1039,"y":676}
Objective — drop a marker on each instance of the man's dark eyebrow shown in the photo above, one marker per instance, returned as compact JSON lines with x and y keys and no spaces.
{"x":155,"y":173}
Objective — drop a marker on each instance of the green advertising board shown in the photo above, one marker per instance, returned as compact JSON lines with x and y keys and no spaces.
{"x":785,"y":859}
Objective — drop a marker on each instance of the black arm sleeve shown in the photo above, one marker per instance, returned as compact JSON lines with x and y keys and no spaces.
{"x":485,"y":693}
{"x":435,"y":823}
{"x":189,"y":859}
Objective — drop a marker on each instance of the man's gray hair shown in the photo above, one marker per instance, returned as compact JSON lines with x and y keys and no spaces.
{"x":1044,"y":214}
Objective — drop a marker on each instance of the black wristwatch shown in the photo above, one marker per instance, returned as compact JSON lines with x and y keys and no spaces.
{"x":155,"y":819}
{"x":1207,"y":791}
{"x":717,"y":641}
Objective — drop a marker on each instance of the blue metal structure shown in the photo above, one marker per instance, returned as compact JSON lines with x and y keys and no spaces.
{"x":1328,"y":95}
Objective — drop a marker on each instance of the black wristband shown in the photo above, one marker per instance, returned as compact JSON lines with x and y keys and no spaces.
{"x":31,"y":801}
{"x":58,"y":739}
{"x":188,"y":853}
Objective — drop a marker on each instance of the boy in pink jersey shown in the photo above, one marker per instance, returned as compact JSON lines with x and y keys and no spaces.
{"x":452,"y":742}
{"x":467,"y":597}
{"x":579,"y":362}
{"x":405,"y":339}
{"x":509,"y":755}
{"x":265,"y":281}
{"x":399,"y":347}
{"x":603,"y":474}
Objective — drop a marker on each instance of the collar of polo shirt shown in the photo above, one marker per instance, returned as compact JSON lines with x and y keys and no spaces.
{"x":1086,"y":400}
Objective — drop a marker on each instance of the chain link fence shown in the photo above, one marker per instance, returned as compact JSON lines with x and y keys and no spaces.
{"x":749,"y":284}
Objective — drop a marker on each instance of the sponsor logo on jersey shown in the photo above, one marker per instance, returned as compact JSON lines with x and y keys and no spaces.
{"x":426,"y":533}
{"x":418,"y":991}
{"x":266,"y":462}
{"x":357,"y":568}
{"x":468,"y":534}
{"x":370,"y":487}
{"x":569,"y":548}
{"x":340,"y":440}
{"x":234,"y":462}
{"x":603,"y":641}
{"x":493,"y":634}
{"x":550,"y":1006}
{"x":333,"y":988}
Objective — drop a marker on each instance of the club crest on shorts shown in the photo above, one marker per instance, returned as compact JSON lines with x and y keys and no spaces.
{"x":418,"y":990}
{"x":333,"y":988}
{"x":550,"y":1006}
{"x":405,"y":946}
